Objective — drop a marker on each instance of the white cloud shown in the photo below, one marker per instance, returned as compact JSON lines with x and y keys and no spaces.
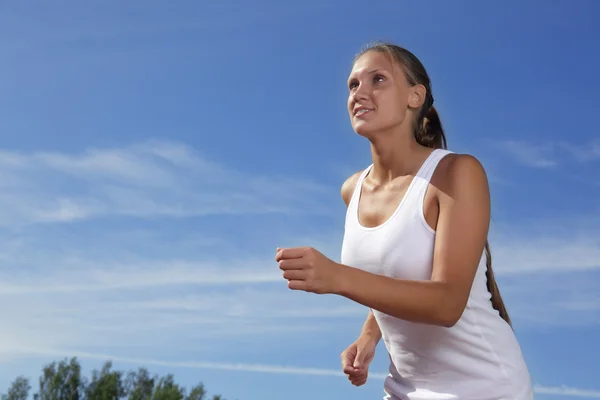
{"x":548,"y":154}
{"x":553,"y":299}
{"x":527,"y":255}
{"x":567,"y":391}
{"x":149,"y":274}
{"x":534,"y":155}
{"x":582,"y":153}
{"x":150,"y":179}
{"x":546,"y":268}
{"x":103,"y":303}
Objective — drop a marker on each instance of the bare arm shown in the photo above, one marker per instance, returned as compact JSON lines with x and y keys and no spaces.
{"x":463,"y":223}
{"x":370,"y":328}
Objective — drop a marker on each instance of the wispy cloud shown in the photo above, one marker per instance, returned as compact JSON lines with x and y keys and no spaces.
{"x":528,"y":255}
{"x":556,"y":299}
{"x":276,"y":369}
{"x":112,"y":304}
{"x":548,"y":154}
{"x":533,"y":155}
{"x":265,"y":368}
{"x":144,"y":180}
{"x":123,"y":277}
{"x":560,"y":258}
{"x":567,"y":391}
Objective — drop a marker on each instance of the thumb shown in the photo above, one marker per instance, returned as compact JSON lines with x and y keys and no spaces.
{"x":359,"y":360}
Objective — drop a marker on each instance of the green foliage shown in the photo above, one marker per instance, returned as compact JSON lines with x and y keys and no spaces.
{"x":105,"y":384}
{"x":19,"y":389}
{"x":63,"y":381}
{"x":139,"y":385}
{"x":167,"y":389}
{"x":197,"y":393}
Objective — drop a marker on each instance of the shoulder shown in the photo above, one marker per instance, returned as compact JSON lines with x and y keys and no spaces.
{"x":456,"y":165}
{"x":349,"y":185}
{"x":460,"y":173}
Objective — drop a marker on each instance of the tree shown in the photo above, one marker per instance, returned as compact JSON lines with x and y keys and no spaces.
{"x":105,"y":385}
{"x":139,"y":385}
{"x":62,"y":381}
{"x":19,"y":389}
{"x":197,"y":393}
{"x":167,"y":389}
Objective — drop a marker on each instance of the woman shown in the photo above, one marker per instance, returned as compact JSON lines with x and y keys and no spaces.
{"x":415,"y":248}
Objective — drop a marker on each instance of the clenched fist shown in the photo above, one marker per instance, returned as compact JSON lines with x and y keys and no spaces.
{"x":357,"y":358}
{"x":307,"y":269}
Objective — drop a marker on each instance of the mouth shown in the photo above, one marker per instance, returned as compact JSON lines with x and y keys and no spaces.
{"x":362,"y":111}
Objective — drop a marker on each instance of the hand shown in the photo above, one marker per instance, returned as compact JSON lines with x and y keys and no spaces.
{"x":357,"y":358}
{"x":307,"y":269}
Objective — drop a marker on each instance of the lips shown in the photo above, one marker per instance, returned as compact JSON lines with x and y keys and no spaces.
{"x":361,"y":111}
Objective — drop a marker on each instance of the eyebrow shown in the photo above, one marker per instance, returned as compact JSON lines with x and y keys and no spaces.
{"x":372,"y":71}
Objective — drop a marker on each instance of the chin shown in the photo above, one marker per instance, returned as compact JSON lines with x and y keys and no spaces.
{"x":365,"y":129}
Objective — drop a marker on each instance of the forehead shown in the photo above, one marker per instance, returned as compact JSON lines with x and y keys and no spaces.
{"x":373,"y":60}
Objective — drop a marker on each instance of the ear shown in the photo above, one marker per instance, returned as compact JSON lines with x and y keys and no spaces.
{"x":417,"y":96}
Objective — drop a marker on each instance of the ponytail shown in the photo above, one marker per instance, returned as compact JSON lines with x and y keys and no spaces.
{"x":430,"y":133}
{"x":492,"y":287}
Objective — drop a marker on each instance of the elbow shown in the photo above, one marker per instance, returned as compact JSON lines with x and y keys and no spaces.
{"x":449,"y":315}
{"x":448,"y":321}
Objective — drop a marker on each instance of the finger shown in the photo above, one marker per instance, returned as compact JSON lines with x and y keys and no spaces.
{"x":355,"y":373}
{"x":294,"y":252}
{"x":359,"y":359}
{"x":295,"y":263}
{"x":360,"y":382}
{"x":347,"y":357}
{"x":359,"y":375}
{"x":294,"y":275}
{"x":297,"y":285}
{"x":356,"y":377}
{"x":349,"y":369}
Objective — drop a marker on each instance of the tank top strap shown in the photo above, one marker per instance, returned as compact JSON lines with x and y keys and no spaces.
{"x":423,"y":178}
{"x":426,"y":172}
{"x":352,"y":210}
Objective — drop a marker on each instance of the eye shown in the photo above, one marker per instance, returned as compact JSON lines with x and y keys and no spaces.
{"x":353,"y":84}
{"x":378,"y":78}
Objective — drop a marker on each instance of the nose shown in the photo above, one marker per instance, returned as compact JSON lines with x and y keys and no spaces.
{"x":361,"y":92}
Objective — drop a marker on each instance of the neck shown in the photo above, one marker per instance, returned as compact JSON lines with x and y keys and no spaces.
{"x":396,"y":154}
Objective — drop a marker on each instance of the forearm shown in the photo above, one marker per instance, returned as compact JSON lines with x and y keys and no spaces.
{"x":370,"y":328}
{"x":427,"y":302}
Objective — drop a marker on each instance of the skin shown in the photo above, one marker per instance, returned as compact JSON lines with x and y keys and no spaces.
{"x":457,"y":209}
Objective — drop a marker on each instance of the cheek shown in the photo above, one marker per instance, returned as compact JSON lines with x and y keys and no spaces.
{"x":392,"y":105}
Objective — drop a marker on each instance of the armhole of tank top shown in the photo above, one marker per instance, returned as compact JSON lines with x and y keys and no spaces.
{"x":427,"y":182}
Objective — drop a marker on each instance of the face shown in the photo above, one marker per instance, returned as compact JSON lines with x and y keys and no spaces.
{"x":379,"y":94}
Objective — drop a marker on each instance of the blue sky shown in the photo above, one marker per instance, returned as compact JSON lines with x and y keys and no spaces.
{"x":153,"y":156}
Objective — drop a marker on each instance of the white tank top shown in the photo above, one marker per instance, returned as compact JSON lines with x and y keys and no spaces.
{"x":479,"y":357}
